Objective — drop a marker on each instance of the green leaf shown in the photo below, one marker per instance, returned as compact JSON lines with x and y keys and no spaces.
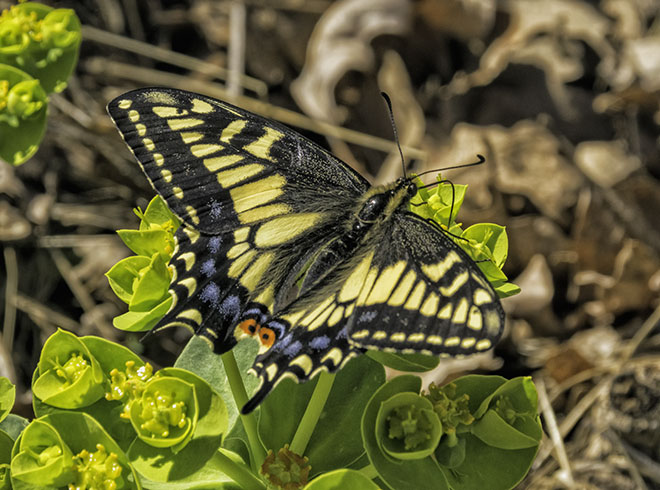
{"x":13,"y":425}
{"x":485,"y":466}
{"x":159,"y":215}
{"x":492,"y":240}
{"x":506,"y":289}
{"x":148,"y":242}
{"x":411,"y":363}
{"x":341,"y":480}
{"x":198,"y":358}
{"x":495,"y":431}
{"x":520,"y":392}
{"x":23,"y":110}
{"x":421,"y":474}
{"x":442,"y":201}
{"x":212,"y":475}
{"x":7,"y":397}
{"x":152,"y":285}
{"x":336,"y":440}
{"x":110,"y":355}
{"x":478,"y":387}
{"x":124,"y":274}
{"x":449,"y":456}
{"x":68,"y":375}
{"x":6,"y":445}
{"x":488,"y":245}
{"x":48,"y":50}
{"x":105,"y":412}
{"x":140,"y":321}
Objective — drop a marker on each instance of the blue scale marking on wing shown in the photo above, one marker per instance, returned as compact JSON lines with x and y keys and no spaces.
{"x":221,"y":301}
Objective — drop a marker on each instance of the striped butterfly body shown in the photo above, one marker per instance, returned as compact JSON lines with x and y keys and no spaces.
{"x":284,"y":242}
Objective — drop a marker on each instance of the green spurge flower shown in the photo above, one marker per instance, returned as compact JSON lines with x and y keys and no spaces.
{"x":129,"y":385}
{"x":97,"y":470}
{"x":452,"y":410}
{"x":161,"y":412}
{"x":286,"y":470}
{"x":23,"y":108}
{"x":142,"y":281}
{"x":409,"y":424}
{"x":21,"y":101}
{"x":166,"y":413}
{"x":486,"y":243}
{"x":68,"y":376}
{"x":407,"y":428}
{"x":41,"y":41}
{"x":43,"y":457}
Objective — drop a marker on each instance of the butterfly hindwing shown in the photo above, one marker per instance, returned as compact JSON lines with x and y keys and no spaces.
{"x":204,"y":296}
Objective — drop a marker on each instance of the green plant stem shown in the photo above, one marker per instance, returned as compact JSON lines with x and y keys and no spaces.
{"x":369,"y":471}
{"x":240,"y":397}
{"x":312,"y":413}
{"x":240,"y":473}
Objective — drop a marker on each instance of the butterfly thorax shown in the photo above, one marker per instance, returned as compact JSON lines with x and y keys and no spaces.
{"x":378,"y":204}
{"x":375,"y":207}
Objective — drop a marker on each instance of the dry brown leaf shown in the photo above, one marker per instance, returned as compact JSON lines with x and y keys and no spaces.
{"x":605,"y":162}
{"x":341,"y":42}
{"x":465,"y":19}
{"x":526,"y":158}
{"x":546,"y":35}
{"x":537,"y":288}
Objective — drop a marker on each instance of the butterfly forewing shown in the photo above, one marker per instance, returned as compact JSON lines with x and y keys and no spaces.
{"x":427,"y":296}
{"x":218,"y":166}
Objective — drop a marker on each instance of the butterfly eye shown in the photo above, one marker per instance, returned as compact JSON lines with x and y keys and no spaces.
{"x":249,"y":326}
{"x":266,"y":337}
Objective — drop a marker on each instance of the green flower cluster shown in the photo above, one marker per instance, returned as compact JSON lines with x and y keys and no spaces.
{"x":99,"y":410}
{"x":454,"y":435}
{"x":285,"y":469}
{"x":38,"y":52}
{"x":142,"y":281}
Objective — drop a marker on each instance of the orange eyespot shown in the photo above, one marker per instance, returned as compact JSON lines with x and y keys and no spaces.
{"x":249,"y":326}
{"x":266,"y":337}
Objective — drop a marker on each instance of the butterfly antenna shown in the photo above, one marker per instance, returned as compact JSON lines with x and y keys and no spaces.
{"x":396,"y":134}
{"x":481,"y":159}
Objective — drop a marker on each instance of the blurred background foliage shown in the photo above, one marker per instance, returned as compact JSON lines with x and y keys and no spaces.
{"x":562,"y":97}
